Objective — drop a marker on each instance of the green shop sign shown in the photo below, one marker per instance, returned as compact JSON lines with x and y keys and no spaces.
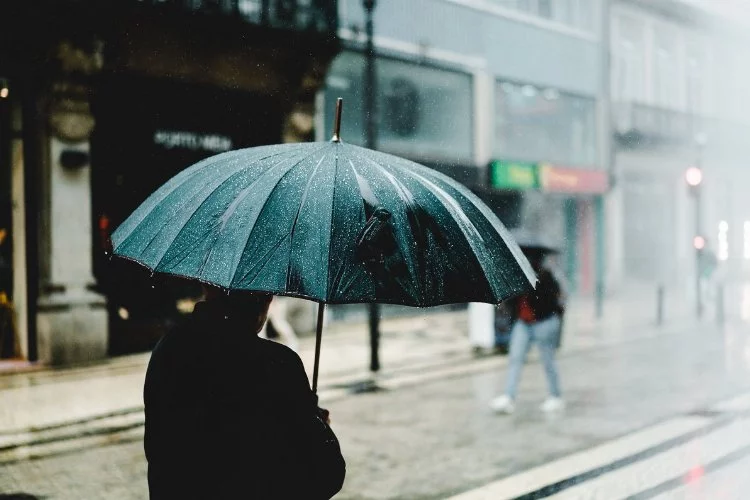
{"x":514,"y":175}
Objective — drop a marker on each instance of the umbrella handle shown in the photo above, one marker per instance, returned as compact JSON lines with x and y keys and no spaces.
{"x":318,"y":338}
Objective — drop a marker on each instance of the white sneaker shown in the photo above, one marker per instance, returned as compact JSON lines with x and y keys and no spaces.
{"x":553,"y":404}
{"x":503,"y":404}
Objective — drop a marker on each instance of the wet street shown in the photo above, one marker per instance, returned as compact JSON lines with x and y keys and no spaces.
{"x":660,"y":414}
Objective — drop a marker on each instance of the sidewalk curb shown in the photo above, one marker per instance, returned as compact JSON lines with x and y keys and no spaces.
{"x":70,"y":436}
{"x":22,"y":444}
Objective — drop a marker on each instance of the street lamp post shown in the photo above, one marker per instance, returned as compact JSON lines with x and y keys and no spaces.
{"x":694,"y":178}
{"x":371,"y":142}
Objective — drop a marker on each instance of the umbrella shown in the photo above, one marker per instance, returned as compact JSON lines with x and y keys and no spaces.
{"x":534,"y":244}
{"x":327,"y":221}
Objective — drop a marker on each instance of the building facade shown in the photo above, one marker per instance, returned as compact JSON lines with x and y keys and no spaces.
{"x":100,"y":103}
{"x":503,"y":95}
{"x":679,"y":100}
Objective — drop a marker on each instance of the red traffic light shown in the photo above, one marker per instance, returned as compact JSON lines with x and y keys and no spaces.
{"x":694,"y":176}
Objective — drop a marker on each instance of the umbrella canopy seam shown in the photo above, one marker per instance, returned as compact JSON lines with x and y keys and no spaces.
{"x":296,"y":219}
{"x":262,"y":208}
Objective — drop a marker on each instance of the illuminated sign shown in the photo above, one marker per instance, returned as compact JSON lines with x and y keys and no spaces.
{"x":514,"y":175}
{"x":572,"y":180}
{"x":214,"y":143}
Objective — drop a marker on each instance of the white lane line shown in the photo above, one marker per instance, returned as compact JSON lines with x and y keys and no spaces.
{"x":584,"y":461}
{"x":738,"y":404}
{"x":729,"y":482}
{"x":677,"y":461}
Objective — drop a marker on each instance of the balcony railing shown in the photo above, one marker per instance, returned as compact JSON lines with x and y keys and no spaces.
{"x":318,"y":16}
{"x":639,"y":126}
{"x":311,"y":16}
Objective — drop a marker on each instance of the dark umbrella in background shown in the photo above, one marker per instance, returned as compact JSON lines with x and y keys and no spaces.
{"x":532,"y":243}
{"x":329,"y":222}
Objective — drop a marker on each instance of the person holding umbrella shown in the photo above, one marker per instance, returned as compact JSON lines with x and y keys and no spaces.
{"x":537,"y":318}
{"x":329,"y":222}
{"x":234,"y":417}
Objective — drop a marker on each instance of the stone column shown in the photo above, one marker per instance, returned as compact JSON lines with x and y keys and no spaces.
{"x":72,"y":320}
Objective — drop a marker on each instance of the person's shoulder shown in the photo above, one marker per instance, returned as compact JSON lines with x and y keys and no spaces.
{"x":178,"y":342}
{"x":278,"y":351}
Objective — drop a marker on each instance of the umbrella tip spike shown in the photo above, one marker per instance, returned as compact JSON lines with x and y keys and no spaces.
{"x":337,"y":121}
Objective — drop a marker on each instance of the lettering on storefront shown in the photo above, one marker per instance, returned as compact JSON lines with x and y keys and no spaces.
{"x":514,"y":175}
{"x":214,"y":143}
{"x":559,"y":179}
{"x":547,"y":177}
{"x":571,"y":180}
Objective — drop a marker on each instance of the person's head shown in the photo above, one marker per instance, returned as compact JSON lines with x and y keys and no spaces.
{"x":249,"y":306}
{"x":536,"y":259}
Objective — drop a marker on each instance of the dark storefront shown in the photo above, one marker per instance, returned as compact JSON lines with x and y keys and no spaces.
{"x":111,"y":99}
{"x":147,"y":131}
{"x":9,"y":344}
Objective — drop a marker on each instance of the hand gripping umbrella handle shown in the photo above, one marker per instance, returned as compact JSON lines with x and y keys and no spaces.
{"x":318,"y":338}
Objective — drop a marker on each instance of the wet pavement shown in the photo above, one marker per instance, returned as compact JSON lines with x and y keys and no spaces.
{"x":650,"y":415}
{"x":437,"y":438}
{"x":440,"y":439}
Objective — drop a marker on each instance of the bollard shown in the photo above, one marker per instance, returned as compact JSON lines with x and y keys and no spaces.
{"x":720,"y":304}
{"x":660,"y":305}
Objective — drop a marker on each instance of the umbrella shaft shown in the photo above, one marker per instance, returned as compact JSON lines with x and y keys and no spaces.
{"x":374,"y":337}
{"x":318,"y":339}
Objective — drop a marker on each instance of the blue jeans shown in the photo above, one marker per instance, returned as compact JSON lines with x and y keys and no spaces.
{"x":545,"y":334}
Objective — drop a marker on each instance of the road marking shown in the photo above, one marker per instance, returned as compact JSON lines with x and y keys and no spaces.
{"x":580,"y":463}
{"x":738,"y":404}
{"x":727,"y":480}
{"x":678,"y":461}
{"x":690,"y":483}
{"x":605,"y":467}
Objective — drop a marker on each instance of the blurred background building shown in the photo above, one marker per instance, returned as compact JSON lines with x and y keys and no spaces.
{"x":501,"y":95}
{"x":573,"y":119}
{"x":103,"y":101}
{"x":679,"y":99}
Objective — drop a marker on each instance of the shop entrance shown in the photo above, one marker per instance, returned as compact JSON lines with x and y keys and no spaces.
{"x":146,"y":132}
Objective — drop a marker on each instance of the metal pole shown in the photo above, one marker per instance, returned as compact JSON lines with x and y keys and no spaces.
{"x":720,"y":318}
{"x":371,"y":142}
{"x":660,"y":305}
{"x":606,"y":153}
{"x":600,"y":257}
{"x":698,"y":254}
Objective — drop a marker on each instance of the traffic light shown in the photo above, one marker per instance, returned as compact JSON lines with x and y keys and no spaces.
{"x":694,"y":177}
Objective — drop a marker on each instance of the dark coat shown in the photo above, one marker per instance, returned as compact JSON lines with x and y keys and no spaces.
{"x":231,"y":415}
{"x":545,"y":300}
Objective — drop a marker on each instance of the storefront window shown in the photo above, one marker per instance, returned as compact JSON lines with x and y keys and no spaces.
{"x":628,"y":82}
{"x":666,"y":87}
{"x":544,"y":124}
{"x":424,"y":112}
{"x":698,"y":80}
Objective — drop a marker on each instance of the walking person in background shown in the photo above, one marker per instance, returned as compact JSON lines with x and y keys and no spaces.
{"x":537,"y":319}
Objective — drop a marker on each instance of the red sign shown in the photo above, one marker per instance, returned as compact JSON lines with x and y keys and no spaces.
{"x":573,"y":180}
